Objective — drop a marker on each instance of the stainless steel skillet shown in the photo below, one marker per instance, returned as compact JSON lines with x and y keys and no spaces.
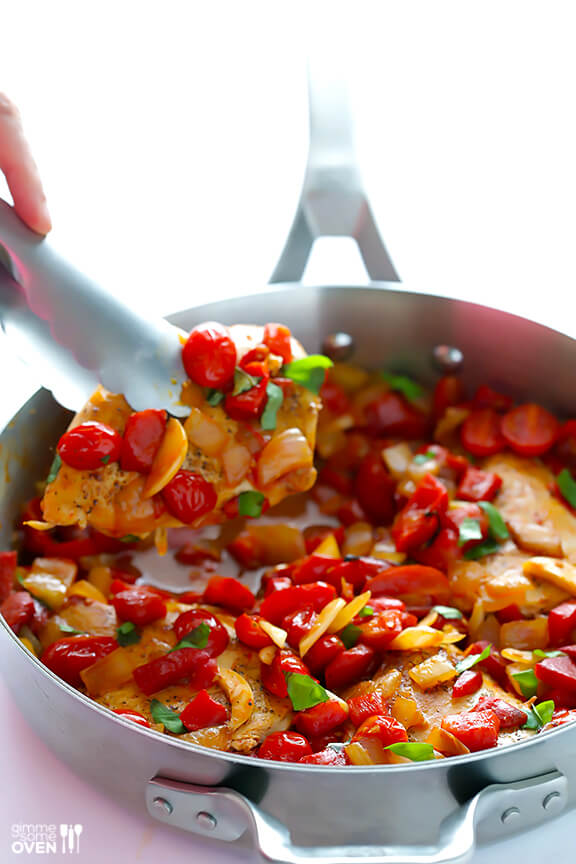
{"x":419,"y":814}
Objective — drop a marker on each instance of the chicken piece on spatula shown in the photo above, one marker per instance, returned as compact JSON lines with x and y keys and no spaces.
{"x":247,"y":442}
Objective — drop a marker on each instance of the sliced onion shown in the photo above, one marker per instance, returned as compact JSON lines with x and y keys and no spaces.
{"x":205,"y":433}
{"x":287,"y":452}
{"x":236,"y":460}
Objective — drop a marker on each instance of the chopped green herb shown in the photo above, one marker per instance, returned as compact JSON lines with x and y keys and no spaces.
{"x":487,"y":548}
{"x":64,"y":627}
{"x":105,"y":459}
{"x":197,"y":638}
{"x":243,"y":381}
{"x":448,"y":612}
{"x":214,"y":397}
{"x":416,"y":751}
{"x":304,"y":692}
{"x":542,"y":654}
{"x":527,"y":682}
{"x":472,"y":659}
{"x":567,"y":486}
{"x":421,"y":458}
{"x":275,"y":396}
{"x":54,"y":468}
{"x":409,"y":388}
{"x":309,"y":371}
{"x":539,"y":715}
{"x":129,"y":538}
{"x":127,"y":634}
{"x":250,"y":503}
{"x":350,"y":635}
{"x":496,"y":524}
{"x":470,"y":529}
{"x":366,"y":612}
{"x":169,"y":719}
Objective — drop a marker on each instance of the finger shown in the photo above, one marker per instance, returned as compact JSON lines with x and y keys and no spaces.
{"x":20,"y":170}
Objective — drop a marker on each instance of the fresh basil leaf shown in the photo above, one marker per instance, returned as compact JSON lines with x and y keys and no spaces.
{"x":304,"y":692}
{"x":127,"y":634}
{"x":421,"y":458}
{"x":309,"y":371}
{"x":539,"y":715}
{"x":129,"y":538}
{"x":250,"y":504}
{"x":472,"y":659}
{"x":416,"y":751}
{"x":54,"y":468}
{"x":487,"y":548}
{"x":214,"y":397}
{"x":169,"y":719}
{"x":496,"y":524}
{"x":448,"y":612}
{"x":470,"y":529}
{"x":350,"y":635}
{"x":197,"y":638}
{"x":64,"y":627}
{"x":243,"y":381}
{"x":105,"y":459}
{"x":402,"y":384}
{"x":567,"y":486}
{"x":527,"y":682}
{"x":366,"y":612}
{"x":275,"y":399}
{"x":542,"y":654}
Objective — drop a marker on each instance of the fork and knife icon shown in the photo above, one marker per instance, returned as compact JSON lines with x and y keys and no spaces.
{"x":70,"y":835}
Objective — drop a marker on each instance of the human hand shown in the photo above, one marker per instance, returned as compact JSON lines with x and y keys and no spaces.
{"x":19,"y":168}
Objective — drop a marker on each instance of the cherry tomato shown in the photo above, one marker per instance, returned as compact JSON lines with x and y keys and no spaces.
{"x":442,"y":552}
{"x":322,"y":718}
{"x":273,"y":675}
{"x":279,"y":604}
{"x":495,"y":665}
{"x":448,"y":391}
{"x":284,"y":747}
{"x":514,"y":613}
{"x":409,"y":580}
{"x":420,"y":518}
{"x":486,"y":397}
{"x":477,"y":730}
{"x":138,"y":605}
{"x":529,"y":429}
{"x":467,"y":683}
{"x":386,"y":729}
{"x":392,"y":415}
{"x":277,"y":338}
{"x":374,"y":489}
{"x":188,"y":496}
{"x":217,"y":638}
{"x":565,"y":448}
{"x":380,"y":629}
{"x":209,"y":356}
{"x":557,"y":672}
{"x":202,"y":712}
{"x":258,"y":354}
{"x":89,"y":446}
{"x":333,"y":397}
{"x":326,"y":757}
{"x":315,"y":534}
{"x":316,"y":568}
{"x":275,"y":583}
{"x":477,"y":485}
{"x":248,"y":405}
{"x":190,"y":663}
{"x":228,"y":592}
{"x":356,"y":571}
{"x":510,"y":716}
{"x":298,"y":623}
{"x":366,"y":705}
{"x":323,"y":652}
{"x":18,"y":610}
{"x":8,"y":562}
{"x":250,"y":633}
{"x":481,"y":432}
{"x":135,"y":716}
{"x":468,"y":510}
{"x":68,"y":657}
{"x":349,"y":666}
{"x":562,"y":622}
{"x":336,"y":479}
{"x":247,"y":550}
{"x":142,"y":438}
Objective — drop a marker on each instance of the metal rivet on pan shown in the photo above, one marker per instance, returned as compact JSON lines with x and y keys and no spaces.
{"x":163,"y":805}
{"x":510,"y":815}
{"x":206,"y":820}
{"x":552,"y":801}
{"x":447,"y":358}
{"x":338,"y":346}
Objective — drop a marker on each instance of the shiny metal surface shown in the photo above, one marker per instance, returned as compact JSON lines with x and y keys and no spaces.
{"x":75,"y":334}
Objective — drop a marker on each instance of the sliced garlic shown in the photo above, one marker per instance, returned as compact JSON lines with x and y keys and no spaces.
{"x":325,"y":619}
{"x":349,"y":612}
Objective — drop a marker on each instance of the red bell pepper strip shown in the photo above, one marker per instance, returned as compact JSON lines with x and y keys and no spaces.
{"x":477,"y":485}
{"x":374,"y":488}
{"x":392,"y":415}
{"x":557,"y":672}
{"x":228,"y":592}
{"x":510,"y":716}
{"x":422,"y":515}
{"x":202,"y":712}
{"x":349,"y":666}
{"x":562,"y":622}
{"x":135,"y":716}
{"x":467,"y":683}
{"x":190,"y":663}
{"x":324,"y":650}
{"x":447,"y":392}
{"x":477,"y":730}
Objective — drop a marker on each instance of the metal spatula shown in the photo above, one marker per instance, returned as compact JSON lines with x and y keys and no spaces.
{"x":76,"y":334}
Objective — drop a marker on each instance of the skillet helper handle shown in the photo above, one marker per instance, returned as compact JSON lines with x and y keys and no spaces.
{"x":225,"y":814}
{"x":333,"y":202}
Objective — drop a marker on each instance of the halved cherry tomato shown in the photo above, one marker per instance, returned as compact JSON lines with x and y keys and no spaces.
{"x":366,"y":705}
{"x":250,"y":633}
{"x":202,"y":712}
{"x":562,"y":622}
{"x":138,"y":605}
{"x":529,"y":429}
{"x":135,"y":716}
{"x":510,"y":716}
{"x":557,"y":672}
{"x":278,"y":605}
{"x":298,"y":623}
{"x":68,"y":657}
{"x":384,"y":728}
{"x":274,"y":675}
{"x":325,"y":757}
{"x":374,"y":488}
{"x":8,"y":562}
{"x":228,"y":592}
{"x":349,"y":666}
{"x":392,"y":415}
{"x":477,"y":730}
{"x":442,"y":552}
{"x":323,"y":652}
{"x":357,"y":570}
{"x":188,"y":496}
{"x":448,"y":391}
{"x":481,"y":432}
{"x":477,"y":485}
{"x":277,"y":338}
{"x":420,"y":518}
{"x":322,"y":718}
{"x":411,"y":579}
{"x":248,"y":405}
{"x":284,"y":747}
{"x":380,"y":629}
{"x":90,"y":446}
{"x":190,"y":663}
{"x":467,"y":683}
{"x":18,"y":610}
{"x":486,"y":397}
{"x":217,"y":638}
{"x":142,"y":437}
{"x":209,"y":356}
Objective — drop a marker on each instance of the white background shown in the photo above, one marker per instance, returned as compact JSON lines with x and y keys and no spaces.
{"x":172,"y":139}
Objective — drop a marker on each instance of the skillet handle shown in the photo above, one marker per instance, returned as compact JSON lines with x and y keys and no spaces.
{"x":224,"y":814}
{"x":333,"y":202}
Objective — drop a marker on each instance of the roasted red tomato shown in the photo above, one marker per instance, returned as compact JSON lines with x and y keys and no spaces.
{"x":349,"y":666}
{"x":477,"y":730}
{"x":562,"y":623}
{"x":228,"y":592}
{"x":510,"y":716}
{"x":481,"y":432}
{"x":89,"y":446}
{"x":203,"y":711}
{"x":188,"y":496}
{"x":448,"y":391}
{"x":8,"y":561}
{"x":277,"y":338}
{"x":478,"y":485}
{"x":409,"y":580}
{"x":142,"y":438}
{"x":380,"y":629}
{"x":68,"y":657}
{"x":187,"y":622}
{"x":284,"y":747}
{"x":420,"y":519}
{"x":18,"y":609}
{"x":326,"y":757}
{"x":322,"y":718}
{"x":274,"y":675}
{"x":249,"y":632}
{"x":366,"y":705}
{"x":190,"y":663}
{"x":248,"y":405}
{"x":374,"y":489}
{"x":467,"y":683}
{"x":392,"y":415}
{"x":209,"y":356}
{"x":323,"y":652}
{"x":138,"y":605}
{"x":384,"y":728}
{"x":530,"y":429}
